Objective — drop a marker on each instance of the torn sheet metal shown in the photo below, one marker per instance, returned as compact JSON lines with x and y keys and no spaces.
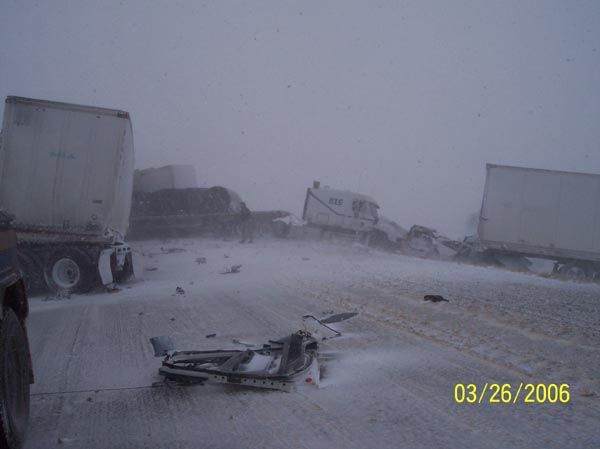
{"x":278,"y":365}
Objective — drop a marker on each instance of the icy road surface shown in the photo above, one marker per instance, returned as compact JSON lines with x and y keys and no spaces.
{"x":392,"y":380}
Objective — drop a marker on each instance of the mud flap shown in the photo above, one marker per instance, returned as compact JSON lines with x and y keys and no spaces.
{"x":104,"y":269}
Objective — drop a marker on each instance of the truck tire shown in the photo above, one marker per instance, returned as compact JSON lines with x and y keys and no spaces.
{"x":14,"y":382}
{"x":69,"y":271}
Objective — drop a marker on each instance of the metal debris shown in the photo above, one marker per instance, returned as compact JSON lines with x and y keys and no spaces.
{"x":233,"y":269}
{"x":435,"y":298}
{"x":243,"y":343}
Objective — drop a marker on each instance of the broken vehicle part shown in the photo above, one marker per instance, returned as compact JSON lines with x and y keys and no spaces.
{"x":162,"y":345}
{"x":435,"y":298}
{"x":330,"y":320}
{"x":278,"y":365}
{"x":234,"y":269}
{"x":243,"y":343}
{"x":339,"y":317}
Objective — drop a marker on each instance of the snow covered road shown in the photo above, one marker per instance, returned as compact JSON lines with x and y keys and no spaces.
{"x":391,"y":380}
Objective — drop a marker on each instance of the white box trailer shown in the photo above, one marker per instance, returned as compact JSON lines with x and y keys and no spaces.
{"x":545,"y":214}
{"x":67,"y":177}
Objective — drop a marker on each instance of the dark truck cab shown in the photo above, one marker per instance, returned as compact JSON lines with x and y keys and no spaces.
{"x":16,"y":372}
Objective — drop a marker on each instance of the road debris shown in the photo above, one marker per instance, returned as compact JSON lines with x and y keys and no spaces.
{"x":233,"y":269}
{"x":339,"y":317}
{"x":201,"y":260}
{"x":279,"y":365}
{"x":179,"y":291}
{"x":435,"y":298}
{"x":171,"y":250}
{"x":243,"y":343}
{"x":58,"y":296}
{"x":211,"y":335}
{"x":161,"y":345}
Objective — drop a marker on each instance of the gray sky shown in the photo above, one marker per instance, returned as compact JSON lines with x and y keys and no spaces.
{"x":402,"y":100}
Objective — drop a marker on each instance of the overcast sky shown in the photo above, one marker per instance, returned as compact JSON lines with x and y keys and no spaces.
{"x":402,"y":100}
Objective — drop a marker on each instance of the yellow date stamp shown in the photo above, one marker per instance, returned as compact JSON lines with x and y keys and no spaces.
{"x":527,"y":393}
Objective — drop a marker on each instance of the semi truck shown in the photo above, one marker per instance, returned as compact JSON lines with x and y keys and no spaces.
{"x":66,"y":174}
{"x":335,"y":212}
{"x":543,"y":214}
{"x":339,"y":210}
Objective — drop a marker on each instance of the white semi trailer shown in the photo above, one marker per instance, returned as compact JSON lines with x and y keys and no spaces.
{"x":66,"y":174}
{"x":543,"y":214}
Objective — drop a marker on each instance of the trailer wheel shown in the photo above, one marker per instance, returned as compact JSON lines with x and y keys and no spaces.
{"x":69,"y":271}
{"x":14,"y":382}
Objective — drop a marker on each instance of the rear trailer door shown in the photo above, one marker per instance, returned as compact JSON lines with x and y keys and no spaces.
{"x":59,"y":165}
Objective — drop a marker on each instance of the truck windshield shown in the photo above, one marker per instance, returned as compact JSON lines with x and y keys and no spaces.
{"x":369,"y":211}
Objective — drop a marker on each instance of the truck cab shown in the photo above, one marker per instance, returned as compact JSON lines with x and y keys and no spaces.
{"x":340,"y":210}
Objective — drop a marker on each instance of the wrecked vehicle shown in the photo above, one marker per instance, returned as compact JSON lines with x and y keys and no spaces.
{"x":545,"y":214}
{"x":388,"y":235}
{"x":471,"y":251}
{"x":335,"y":213}
{"x":278,"y":365}
{"x":191,"y":211}
{"x":72,"y":220}
{"x":332,"y":212}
